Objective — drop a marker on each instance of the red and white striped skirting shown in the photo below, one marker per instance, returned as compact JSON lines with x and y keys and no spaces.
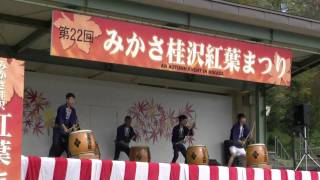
{"x":36,"y":168}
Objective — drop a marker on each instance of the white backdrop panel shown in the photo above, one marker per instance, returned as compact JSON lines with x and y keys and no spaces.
{"x":101,"y":107}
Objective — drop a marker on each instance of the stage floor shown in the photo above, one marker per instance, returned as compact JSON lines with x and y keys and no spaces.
{"x":43,"y":168}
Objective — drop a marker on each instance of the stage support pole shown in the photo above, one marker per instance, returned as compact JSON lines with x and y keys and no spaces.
{"x":260,"y":114}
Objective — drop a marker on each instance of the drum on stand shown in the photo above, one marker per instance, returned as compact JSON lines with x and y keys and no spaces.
{"x":86,"y":156}
{"x":95,"y":155}
{"x":257,"y":154}
{"x":97,"y":152}
{"x":197,"y":155}
{"x":140,"y":154}
{"x":82,"y":143}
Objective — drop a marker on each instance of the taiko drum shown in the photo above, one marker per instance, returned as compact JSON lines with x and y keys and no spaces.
{"x":82,"y":142}
{"x":140,"y":153}
{"x":257,"y":154}
{"x":197,"y":155}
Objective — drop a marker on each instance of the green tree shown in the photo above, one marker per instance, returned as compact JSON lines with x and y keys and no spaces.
{"x":305,"y":8}
{"x":305,"y":88}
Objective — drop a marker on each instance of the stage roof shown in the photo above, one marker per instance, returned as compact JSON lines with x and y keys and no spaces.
{"x":25,"y":33}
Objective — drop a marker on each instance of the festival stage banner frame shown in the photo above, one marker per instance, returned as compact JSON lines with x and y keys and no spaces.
{"x":11,"y":112}
{"x":119,"y":42}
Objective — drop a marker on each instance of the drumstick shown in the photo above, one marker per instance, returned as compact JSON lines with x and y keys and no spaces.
{"x":190,"y":129}
{"x":251,"y":131}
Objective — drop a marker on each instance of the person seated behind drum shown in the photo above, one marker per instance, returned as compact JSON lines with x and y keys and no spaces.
{"x":125,"y":134}
{"x":179,"y":133}
{"x":65,"y":122}
{"x":238,"y":135}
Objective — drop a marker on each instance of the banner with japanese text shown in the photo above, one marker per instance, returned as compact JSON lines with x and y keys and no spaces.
{"x":11,"y":108}
{"x":113,"y":41}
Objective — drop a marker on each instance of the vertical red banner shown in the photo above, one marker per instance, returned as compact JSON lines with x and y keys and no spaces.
{"x":11,"y":109}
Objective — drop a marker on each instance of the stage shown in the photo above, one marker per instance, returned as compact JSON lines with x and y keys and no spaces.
{"x":108,"y":67}
{"x":43,"y":168}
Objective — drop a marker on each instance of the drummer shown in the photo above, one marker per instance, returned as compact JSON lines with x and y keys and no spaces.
{"x":65,"y":122}
{"x":125,"y":134}
{"x":238,"y":136}
{"x":179,"y":133}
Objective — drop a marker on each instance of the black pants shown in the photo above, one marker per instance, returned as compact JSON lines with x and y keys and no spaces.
{"x":59,"y":144}
{"x":120,"y":148}
{"x":176,"y":149}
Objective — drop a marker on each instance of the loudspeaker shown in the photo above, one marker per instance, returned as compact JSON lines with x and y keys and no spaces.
{"x":301,"y":115}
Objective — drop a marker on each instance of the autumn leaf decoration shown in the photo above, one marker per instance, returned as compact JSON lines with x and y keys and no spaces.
{"x":14,"y":78}
{"x":152,"y":121}
{"x":274,"y":75}
{"x":37,"y":112}
{"x":286,"y":79}
{"x":79,"y":22}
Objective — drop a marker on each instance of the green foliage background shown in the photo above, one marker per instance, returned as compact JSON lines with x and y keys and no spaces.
{"x":305,"y":8}
{"x":305,"y":88}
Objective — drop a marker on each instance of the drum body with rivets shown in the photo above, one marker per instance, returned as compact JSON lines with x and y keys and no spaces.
{"x":257,"y":154}
{"x":140,"y":153}
{"x":82,"y":142}
{"x":197,"y":155}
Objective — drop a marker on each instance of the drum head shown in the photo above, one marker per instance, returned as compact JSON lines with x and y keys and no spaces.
{"x":198,"y":146}
{"x":140,"y":147}
{"x":257,"y":144}
{"x":81,"y":131}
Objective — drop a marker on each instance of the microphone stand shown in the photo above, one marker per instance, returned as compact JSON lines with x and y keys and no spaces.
{"x":306,"y":154}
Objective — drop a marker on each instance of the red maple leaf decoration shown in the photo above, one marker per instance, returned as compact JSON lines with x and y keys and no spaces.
{"x":32,"y":114}
{"x":27,"y":123}
{"x":138,"y":135}
{"x":171,"y":117}
{"x":26,"y":104}
{"x":160,"y":109}
{"x":152,"y":112}
{"x":144,"y":132}
{"x":134,"y":114}
{"x":151,"y":120}
{"x":142,"y":107}
{"x":286,"y":79}
{"x":15,"y":75}
{"x":35,"y":100}
{"x":38,"y":128}
{"x":274,"y":75}
{"x":30,"y":95}
{"x":34,"y":104}
{"x":187,"y":110}
{"x":154,"y":134}
{"x":162,"y":124}
{"x":41,"y":103}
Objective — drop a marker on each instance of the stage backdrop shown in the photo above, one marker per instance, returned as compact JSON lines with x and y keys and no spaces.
{"x":101,"y":107}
